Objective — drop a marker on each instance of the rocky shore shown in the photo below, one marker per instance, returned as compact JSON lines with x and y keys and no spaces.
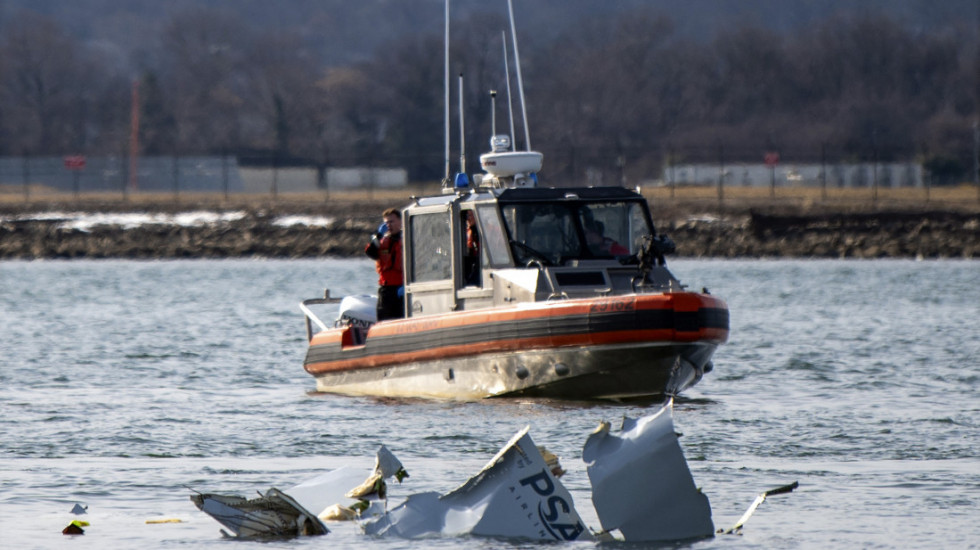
{"x":261,"y":232}
{"x":854,"y":235}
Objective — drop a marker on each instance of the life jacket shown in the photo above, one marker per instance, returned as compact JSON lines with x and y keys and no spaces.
{"x":614,"y":248}
{"x":472,"y":242}
{"x":389,"y":261}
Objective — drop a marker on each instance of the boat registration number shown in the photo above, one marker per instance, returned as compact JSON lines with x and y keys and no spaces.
{"x":626,"y":304}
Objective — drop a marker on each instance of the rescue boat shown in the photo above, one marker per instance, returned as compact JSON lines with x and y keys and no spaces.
{"x":545,"y":314}
{"x":570,"y":297}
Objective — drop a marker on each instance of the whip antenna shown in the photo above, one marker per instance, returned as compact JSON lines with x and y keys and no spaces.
{"x":520,"y":81}
{"x":510,"y":104}
{"x":446,"y":86}
{"x":462,"y":130}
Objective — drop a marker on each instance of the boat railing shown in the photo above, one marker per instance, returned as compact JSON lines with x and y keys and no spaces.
{"x":642,"y":287}
{"x":311,"y":317}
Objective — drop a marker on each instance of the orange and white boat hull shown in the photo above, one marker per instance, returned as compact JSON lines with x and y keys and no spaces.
{"x":605,"y":348}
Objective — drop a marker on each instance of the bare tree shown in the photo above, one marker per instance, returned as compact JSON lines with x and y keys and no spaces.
{"x":604,"y":93}
{"x":208,"y":54}
{"x":281,"y":93}
{"x":46,"y":87}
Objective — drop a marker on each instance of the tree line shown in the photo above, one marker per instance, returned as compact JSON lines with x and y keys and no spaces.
{"x":621,"y":95}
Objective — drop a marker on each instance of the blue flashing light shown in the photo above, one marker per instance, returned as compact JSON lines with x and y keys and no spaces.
{"x":462,"y":181}
{"x":534,"y":178}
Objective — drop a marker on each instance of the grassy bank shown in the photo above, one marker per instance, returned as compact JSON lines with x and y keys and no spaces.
{"x":665,"y":201}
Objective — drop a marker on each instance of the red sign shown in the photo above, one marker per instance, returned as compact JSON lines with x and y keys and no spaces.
{"x":75,"y":162}
{"x":772,"y":158}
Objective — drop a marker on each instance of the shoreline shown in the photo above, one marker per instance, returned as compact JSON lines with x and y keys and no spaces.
{"x":244,"y":230}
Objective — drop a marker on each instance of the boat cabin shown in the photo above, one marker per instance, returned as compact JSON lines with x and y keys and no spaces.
{"x":487,"y":247}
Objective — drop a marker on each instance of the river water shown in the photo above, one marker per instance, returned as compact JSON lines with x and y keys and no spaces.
{"x":125,"y":386}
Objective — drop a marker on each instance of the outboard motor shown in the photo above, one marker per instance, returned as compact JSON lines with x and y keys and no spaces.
{"x":360,"y":310}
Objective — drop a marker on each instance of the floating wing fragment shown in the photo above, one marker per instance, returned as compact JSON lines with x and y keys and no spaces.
{"x":641,"y":484}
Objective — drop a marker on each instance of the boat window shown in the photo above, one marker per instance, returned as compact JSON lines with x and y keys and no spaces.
{"x":542,"y":232}
{"x":638,"y":227}
{"x":431,"y":247}
{"x":493,"y":235}
{"x":553,"y":233}
{"x":613,"y":229}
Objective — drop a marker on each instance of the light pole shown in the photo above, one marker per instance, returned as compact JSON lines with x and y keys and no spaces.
{"x":976,"y":156}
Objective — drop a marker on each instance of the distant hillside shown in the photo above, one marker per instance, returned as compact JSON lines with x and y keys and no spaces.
{"x":341,"y":31}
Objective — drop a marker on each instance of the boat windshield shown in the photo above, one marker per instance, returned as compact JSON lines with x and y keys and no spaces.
{"x":553,"y":233}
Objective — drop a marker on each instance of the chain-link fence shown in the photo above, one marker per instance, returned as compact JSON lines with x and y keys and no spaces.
{"x":776,"y":176}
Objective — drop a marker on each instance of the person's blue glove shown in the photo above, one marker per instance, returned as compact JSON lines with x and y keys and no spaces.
{"x":401,"y":292}
{"x":383,"y":228}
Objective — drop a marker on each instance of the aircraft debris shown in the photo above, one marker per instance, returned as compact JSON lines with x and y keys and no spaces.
{"x":338,"y":512}
{"x":163,"y":520}
{"x":551,"y":459}
{"x":75,"y":528}
{"x":274,"y":514}
{"x":641,"y":484}
{"x":326,"y":493}
{"x":385,"y":466}
{"x":642,"y":491}
{"x":514,"y":496}
{"x":737,"y":528}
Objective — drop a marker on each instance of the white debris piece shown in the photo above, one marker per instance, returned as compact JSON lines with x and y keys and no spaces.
{"x":274,"y":514}
{"x":338,"y":512}
{"x":737,"y":528}
{"x":641,"y":484}
{"x":385,"y":466}
{"x":327,"y":490}
{"x":514,"y":496}
{"x":345,"y":487}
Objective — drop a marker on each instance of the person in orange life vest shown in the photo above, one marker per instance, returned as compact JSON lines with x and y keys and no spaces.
{"x":599,"y":244}
{"x":471,"y":255}
{"x":386,"y":249}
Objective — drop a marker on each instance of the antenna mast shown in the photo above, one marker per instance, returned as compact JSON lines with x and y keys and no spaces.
{"x":510,"y":104}
{"x":520,"y":81}
{"x":462,"y":130}
{"x":446,"y":86}
{"x":493,"y":113}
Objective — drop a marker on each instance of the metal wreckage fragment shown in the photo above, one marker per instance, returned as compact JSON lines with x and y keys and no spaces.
{"x":642,"y":489}
{"x":641,"y":485}
{"x":286,"y":514}
{"x":274,"y":514}
{"x":515,"y":495}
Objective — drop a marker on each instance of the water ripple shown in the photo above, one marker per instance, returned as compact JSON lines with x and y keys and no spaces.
{"x":846,"y":376}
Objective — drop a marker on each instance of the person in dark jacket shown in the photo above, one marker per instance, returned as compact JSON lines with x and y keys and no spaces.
{"x":599,"y":244}
{"x":386,"y":250}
